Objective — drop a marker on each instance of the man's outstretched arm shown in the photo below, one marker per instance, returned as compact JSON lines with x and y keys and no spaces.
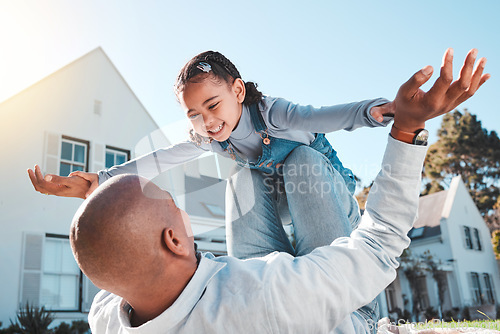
{"x":327,"y":285}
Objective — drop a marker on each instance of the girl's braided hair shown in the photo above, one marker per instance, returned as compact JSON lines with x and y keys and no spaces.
{"x":222,"y":69}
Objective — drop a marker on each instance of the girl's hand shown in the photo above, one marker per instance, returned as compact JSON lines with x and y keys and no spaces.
{"x":382,"y":110}
{"x":72,"y":186}
{"x":93,"y":178}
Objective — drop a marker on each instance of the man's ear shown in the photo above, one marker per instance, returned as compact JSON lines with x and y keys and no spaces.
{"x":239,"y":89}
{"x":175,"y":243}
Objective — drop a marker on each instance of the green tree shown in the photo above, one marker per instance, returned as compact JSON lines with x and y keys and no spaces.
{"x":495,"y":240}
{"x":465,"y":148}
{"x":362,"y":196}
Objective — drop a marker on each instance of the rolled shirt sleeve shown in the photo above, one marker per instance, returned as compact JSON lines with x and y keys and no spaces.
{"x":322,"y":288}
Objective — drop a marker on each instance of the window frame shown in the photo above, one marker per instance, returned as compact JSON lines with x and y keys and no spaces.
{"x":116,"y":149}
{"x":477,"y":238}
{"x":467,"y":237}
{"x":424,"y":291}
{"x":477,"y":294}
{"x":390,"y":295}
{"x":489,"y":291}
{"x":74,"y":140}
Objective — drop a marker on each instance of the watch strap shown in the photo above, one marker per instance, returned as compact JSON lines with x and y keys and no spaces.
{"x":406,"y":137}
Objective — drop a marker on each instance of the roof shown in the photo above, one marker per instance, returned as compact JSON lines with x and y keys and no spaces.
{"x":431,"y":209}
{"x":80,"y":59}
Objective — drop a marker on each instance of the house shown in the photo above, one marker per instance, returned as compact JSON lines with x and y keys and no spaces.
{"x":82,"y":117}
{"x":451,"y":228}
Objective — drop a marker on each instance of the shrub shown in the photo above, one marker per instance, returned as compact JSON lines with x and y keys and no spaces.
{"x":407,"y":315}
{"x":465,"y":313}
{"x":32,"y":320}
{"x":80,"y":327}
{"x":77,"y":327}
{"x":9,"y":330}
{"x":430,"y":313}
{"x":63,"y":328}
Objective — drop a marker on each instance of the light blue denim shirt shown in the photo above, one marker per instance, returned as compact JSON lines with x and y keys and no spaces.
{"x":314,"y":293}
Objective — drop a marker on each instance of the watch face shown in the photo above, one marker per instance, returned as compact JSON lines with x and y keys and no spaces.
{"x":421,"y":137}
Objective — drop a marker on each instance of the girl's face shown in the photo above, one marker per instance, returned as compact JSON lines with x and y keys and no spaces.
{"x":213,"y":107}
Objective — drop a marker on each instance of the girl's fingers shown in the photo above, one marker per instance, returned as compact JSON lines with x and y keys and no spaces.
{"x":377,"y":114}
{"x":38,"y":174}
{"x":33,"y":179}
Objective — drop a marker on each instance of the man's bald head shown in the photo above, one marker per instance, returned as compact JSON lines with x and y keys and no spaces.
{"x":118,"y":233}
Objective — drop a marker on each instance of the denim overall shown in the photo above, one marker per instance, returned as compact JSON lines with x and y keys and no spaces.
{"x":275,"y":150}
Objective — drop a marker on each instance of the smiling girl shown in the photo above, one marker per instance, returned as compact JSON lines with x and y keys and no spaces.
{"x":232,"y":118}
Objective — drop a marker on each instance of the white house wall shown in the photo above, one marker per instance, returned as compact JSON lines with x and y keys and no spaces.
{"x":464,"y":212}
{"x":62,"y":103}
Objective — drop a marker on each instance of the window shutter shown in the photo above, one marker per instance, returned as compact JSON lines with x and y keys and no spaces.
{"x":89,"y":292}
{"x":32,"y":269}
{"x":52,"y":153}
{"x":98,"y":157}
{"x":493,"y":291}
{"x":471,"y":286}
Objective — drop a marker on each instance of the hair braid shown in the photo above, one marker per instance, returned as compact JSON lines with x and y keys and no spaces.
{"x":226,"y":63}
{"x":222,"y":68}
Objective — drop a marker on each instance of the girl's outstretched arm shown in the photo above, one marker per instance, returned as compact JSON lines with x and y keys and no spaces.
{"x":71,"y":186}
{"x":350,"y":116}
{"x":82,"y":184}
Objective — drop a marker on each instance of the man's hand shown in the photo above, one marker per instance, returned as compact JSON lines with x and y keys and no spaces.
{"x":72,"y":186}
{"x":413,"y":106}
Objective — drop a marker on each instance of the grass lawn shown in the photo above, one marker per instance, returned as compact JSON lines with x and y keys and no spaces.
{"x":464,"y":324}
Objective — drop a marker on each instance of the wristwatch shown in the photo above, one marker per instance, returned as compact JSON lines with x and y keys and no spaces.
{"x":418,"y":137}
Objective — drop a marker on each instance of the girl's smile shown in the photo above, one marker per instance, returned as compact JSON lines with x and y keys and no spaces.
{"x":213,"y":107}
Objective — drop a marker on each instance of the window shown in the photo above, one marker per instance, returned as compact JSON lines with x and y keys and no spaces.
{"x":416,"y":232}
{"x":424,"y":294}
{"x":116,"y":156}
{"x":478,"y":239}
{"x":50,"y":276}
{"x":60,"y":283}
{"x":74,"y":155}
{"x":468,"y":238}
{"x":390,"y":294}
{"x":476,"y":289}
{"x":489,"y":292}
{"x":214,"y":209}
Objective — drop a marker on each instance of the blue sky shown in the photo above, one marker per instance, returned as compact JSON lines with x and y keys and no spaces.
{"x":310,"y":52}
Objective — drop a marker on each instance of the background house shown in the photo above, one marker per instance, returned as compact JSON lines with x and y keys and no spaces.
{"x":452,"y":229}
{"x":82,"y":117}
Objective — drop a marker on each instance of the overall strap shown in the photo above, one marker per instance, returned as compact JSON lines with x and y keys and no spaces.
{"x":257,"y":121}
{"x":256,"y":117}
{"x":224,"y":144}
